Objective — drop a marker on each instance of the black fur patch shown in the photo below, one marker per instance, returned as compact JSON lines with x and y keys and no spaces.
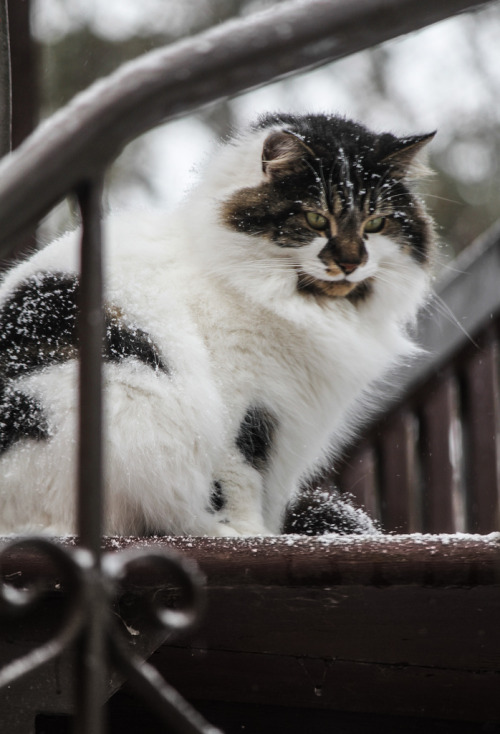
{"x":320,"y":511}
{"x":124,"y":341}
{"x":255,"y":436}
{"x":217,"y":498}
{"x":38,"y":324}
{"x":21,"y":416}
{"x":271,"y":210}
{"x":38,"y":328}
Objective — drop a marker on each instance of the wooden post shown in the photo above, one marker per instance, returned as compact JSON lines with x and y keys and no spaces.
{"x":437,"y":414}
{"x":481,"y":419}
{"x":358,"y":477}
{"x":398,"y":480}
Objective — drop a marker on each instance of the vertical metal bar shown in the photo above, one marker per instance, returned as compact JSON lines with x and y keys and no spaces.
{"x":5,"y":82}
{"x":91,"y":679}
{"x":91,"y":329}
{"x":92,"y":663}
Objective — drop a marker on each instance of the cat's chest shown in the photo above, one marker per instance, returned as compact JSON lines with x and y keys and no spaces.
{"x":260,"y":356}
{"x":298,"y":361}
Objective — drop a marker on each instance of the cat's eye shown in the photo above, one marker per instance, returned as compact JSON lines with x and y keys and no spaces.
{"x":317,"y":221}
{"x":372,"y":226}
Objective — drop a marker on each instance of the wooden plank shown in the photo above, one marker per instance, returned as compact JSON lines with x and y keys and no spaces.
{"x":335,"y":685}
{"x":450,"y":629}
{"x":481,"y":418}
{"x":239,"y":718}
{"x":387,"y":560}
{"x":436,"y":413}
{"x":358,"y":478}
{"x":281,"y":628}
{"x":403,"y":625}
{"x":397,"y":473}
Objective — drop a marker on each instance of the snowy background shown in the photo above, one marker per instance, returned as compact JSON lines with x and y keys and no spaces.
{"x":446,"y":77}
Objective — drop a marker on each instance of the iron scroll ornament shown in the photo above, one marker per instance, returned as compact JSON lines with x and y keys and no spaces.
{"x":89,"y":589}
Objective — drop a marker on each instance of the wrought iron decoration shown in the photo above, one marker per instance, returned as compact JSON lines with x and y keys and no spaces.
{"x":90,"y":592}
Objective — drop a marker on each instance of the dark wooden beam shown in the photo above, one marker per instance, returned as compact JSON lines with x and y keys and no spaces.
{"x":393,"y":625}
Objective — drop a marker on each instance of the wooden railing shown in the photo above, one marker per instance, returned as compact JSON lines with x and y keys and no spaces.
{"x":431,"y":462}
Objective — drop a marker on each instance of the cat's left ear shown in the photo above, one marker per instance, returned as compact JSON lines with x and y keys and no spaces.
{"x":403,"y":156}
{"x":283,"y":154}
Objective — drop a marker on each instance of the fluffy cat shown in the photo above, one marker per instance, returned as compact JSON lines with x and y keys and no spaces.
{"x":244,"y":334}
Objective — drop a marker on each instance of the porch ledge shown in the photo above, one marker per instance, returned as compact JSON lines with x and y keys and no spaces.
{"x":402,"y":625}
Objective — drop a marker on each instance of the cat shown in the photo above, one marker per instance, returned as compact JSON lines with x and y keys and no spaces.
{"x":245,"y":334}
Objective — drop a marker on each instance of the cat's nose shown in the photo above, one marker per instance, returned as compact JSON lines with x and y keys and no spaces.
{"x":348,"y":268}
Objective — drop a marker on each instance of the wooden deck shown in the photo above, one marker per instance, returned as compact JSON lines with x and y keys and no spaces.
{"x":400,"y":630}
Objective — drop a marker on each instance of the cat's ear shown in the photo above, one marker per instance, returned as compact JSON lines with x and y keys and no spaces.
{"x":403,"y":156}
{"x":283,"y":154}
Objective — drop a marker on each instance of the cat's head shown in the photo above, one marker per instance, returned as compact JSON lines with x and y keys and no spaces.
{"x":335,"y":198}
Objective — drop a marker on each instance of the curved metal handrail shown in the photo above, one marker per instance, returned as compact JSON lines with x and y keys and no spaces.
{"x":78,"y":142}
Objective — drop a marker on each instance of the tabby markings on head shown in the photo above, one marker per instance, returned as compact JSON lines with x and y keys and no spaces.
{"x":38,"y":329}
{"x":21,"y":416}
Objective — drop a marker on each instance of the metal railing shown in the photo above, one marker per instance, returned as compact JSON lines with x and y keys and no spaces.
{"x":69,"y":154}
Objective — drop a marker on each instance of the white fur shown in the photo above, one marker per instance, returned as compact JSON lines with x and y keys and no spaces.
{"x":224,"y":310}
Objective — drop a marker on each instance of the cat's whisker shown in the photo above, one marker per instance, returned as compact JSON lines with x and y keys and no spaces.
{"x":443,"y":264}
{"x":427,"y":195}
{"x":256,"y":266}
{"x":403,"y":279}
{"x":443,"y":308}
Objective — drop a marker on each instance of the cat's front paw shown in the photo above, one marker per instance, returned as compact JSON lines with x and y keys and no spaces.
{"x":239,"y":529}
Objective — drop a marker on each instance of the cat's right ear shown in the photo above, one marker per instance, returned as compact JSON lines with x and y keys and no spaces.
{"x":403,"y":156}
{"x":283,"y":155}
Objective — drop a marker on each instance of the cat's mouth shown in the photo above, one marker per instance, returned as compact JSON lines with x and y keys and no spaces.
{"x":334,"y":288}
